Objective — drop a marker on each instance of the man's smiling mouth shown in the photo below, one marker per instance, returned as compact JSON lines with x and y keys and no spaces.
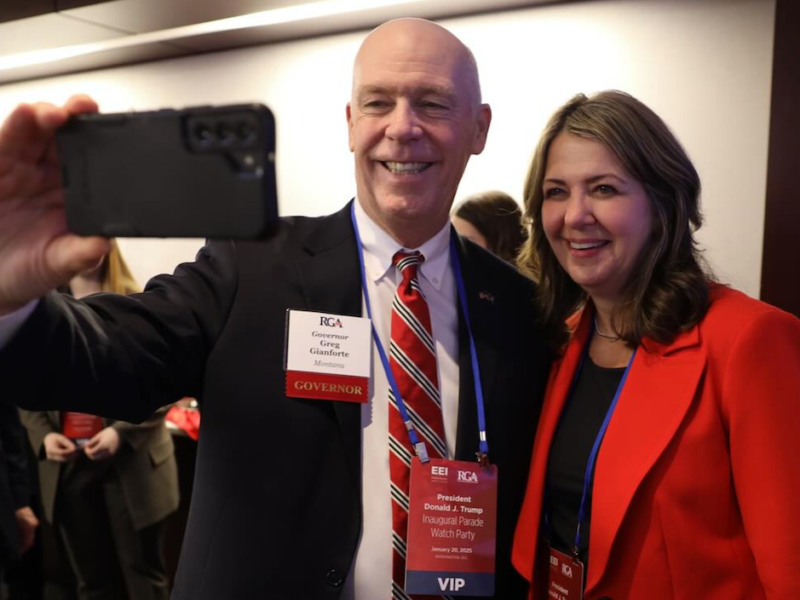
{"x":406,"y":168}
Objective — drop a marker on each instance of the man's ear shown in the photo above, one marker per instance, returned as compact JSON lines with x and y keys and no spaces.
{"x":350,"y":127}
{"x":483,"y":120}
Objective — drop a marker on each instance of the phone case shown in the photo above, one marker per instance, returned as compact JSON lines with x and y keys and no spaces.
{"x":198,"y":172}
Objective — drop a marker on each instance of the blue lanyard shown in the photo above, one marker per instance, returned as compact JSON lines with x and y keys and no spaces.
{"x":419,"y":446}
{"x":588,"y":479}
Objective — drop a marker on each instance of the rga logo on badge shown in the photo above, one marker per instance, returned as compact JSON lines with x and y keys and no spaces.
{"x":468,"y":476}
{"x":330,"y":322}
{"x":566,"y":570}
{"x":451,"y":584}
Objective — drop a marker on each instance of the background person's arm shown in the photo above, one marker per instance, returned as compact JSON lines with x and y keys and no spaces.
{"x":12,"y":441}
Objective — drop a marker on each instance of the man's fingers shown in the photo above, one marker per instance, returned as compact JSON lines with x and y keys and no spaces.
{"x":28,"y":129}
{"x":71,"y":254}
{"x":80,"y":104}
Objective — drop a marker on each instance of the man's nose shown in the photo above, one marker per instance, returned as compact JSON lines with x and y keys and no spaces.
{"x":578,"y":210}
{"x":404,"y":124}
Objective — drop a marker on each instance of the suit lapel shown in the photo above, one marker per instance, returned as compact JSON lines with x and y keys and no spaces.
{"x":659,"y":391}
{"x":557,"y":394}
{"x":482,"y":321}
{"x":330,"y":279}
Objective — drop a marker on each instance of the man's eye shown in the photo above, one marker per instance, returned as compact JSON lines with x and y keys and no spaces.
{"x":376,"y":104}
{"x":430,"y":104}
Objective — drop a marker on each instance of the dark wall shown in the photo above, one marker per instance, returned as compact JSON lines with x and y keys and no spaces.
{"x":780,"y":268}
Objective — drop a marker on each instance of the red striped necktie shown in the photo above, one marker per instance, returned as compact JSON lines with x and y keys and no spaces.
{"x":412,"y":356}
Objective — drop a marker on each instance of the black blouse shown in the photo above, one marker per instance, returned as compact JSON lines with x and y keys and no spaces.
{"x":569,"y":455}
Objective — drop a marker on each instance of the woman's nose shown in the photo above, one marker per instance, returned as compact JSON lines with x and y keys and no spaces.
{"x":578,"y":210}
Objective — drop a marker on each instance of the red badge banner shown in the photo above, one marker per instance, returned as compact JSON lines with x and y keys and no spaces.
{"x":324,"y":386}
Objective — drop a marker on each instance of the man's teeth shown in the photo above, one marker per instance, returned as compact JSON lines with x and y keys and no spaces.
{"x":586,"y":246}
{"x":406,"y":168}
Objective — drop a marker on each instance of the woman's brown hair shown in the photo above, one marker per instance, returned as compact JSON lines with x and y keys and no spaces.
{"x":116,"y":276}
{"x":499,"y":219}
{"x":668,"y":292}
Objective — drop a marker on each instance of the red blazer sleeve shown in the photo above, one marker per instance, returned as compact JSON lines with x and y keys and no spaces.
{"x":761,"y":402}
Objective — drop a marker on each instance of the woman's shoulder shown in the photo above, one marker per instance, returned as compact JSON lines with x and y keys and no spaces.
{"x":732,"y":306}
{"x":732,"y":314}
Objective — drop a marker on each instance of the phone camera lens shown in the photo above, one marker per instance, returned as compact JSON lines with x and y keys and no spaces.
{"x":225,"y":133}
{"x":245,"y":131}
{"x":202,"y":132}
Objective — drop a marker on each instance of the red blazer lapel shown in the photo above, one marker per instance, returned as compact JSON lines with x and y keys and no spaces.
{"x":558,"y":388}
{"x":659,"y":391}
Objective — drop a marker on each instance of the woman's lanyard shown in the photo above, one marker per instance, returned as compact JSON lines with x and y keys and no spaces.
{"x":589,"y":477}
{"x":419,"y":446}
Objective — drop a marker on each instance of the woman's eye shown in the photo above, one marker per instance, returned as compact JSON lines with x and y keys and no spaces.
{"x":553,"y":192}
{"x":605,"y":189}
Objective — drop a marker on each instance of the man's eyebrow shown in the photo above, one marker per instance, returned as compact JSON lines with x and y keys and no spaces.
{"x":436,"y":90}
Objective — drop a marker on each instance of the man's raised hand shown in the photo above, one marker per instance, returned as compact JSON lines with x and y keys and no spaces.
{"x":37,"y":251}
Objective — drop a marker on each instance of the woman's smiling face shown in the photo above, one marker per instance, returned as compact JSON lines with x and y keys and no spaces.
{"x":596,"y":216}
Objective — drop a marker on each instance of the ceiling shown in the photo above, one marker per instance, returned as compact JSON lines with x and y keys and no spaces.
{"x":66,"y":36}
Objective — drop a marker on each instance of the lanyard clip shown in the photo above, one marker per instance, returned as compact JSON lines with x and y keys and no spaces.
{"x":483,"y":459}
{"x":422,"y":452}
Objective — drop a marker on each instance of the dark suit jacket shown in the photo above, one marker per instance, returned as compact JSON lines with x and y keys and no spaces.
{"x":276,"y":509}
{"x":14,"y":490}
{"x":145,"y":464}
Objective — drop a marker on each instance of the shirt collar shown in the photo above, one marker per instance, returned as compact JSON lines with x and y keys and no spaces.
{"x":380,"y":248}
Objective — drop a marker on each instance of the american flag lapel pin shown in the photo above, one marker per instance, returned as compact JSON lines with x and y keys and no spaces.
{"x":484,"y":295}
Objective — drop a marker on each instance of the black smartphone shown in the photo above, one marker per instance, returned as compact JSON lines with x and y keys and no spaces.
{"x":197,"y":172}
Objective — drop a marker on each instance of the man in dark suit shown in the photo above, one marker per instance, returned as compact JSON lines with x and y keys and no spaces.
{"x":291,"y":495}
{"x":17,"y":522}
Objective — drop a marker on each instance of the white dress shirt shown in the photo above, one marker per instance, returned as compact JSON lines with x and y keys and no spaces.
{"x":371,"y":576}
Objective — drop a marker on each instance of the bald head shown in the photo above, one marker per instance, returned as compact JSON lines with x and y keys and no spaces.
{"x":414,"y":119}
{"x":407,"y":40}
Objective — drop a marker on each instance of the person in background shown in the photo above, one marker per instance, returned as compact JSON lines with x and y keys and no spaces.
{"x":663,"y":466}
{"x":107,"y":486}
{"x":301,"y":497}
{"x":18,"y":523}
{"x":493,"y":220}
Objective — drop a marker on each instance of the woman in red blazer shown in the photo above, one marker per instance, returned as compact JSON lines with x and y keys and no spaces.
{"x":671,"y":427}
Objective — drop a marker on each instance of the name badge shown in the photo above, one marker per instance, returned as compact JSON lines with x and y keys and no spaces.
{"x":327,"y":357}
{"x":80,"y":427}
{"x":452,"y":524}
{"x":566,"y":577}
